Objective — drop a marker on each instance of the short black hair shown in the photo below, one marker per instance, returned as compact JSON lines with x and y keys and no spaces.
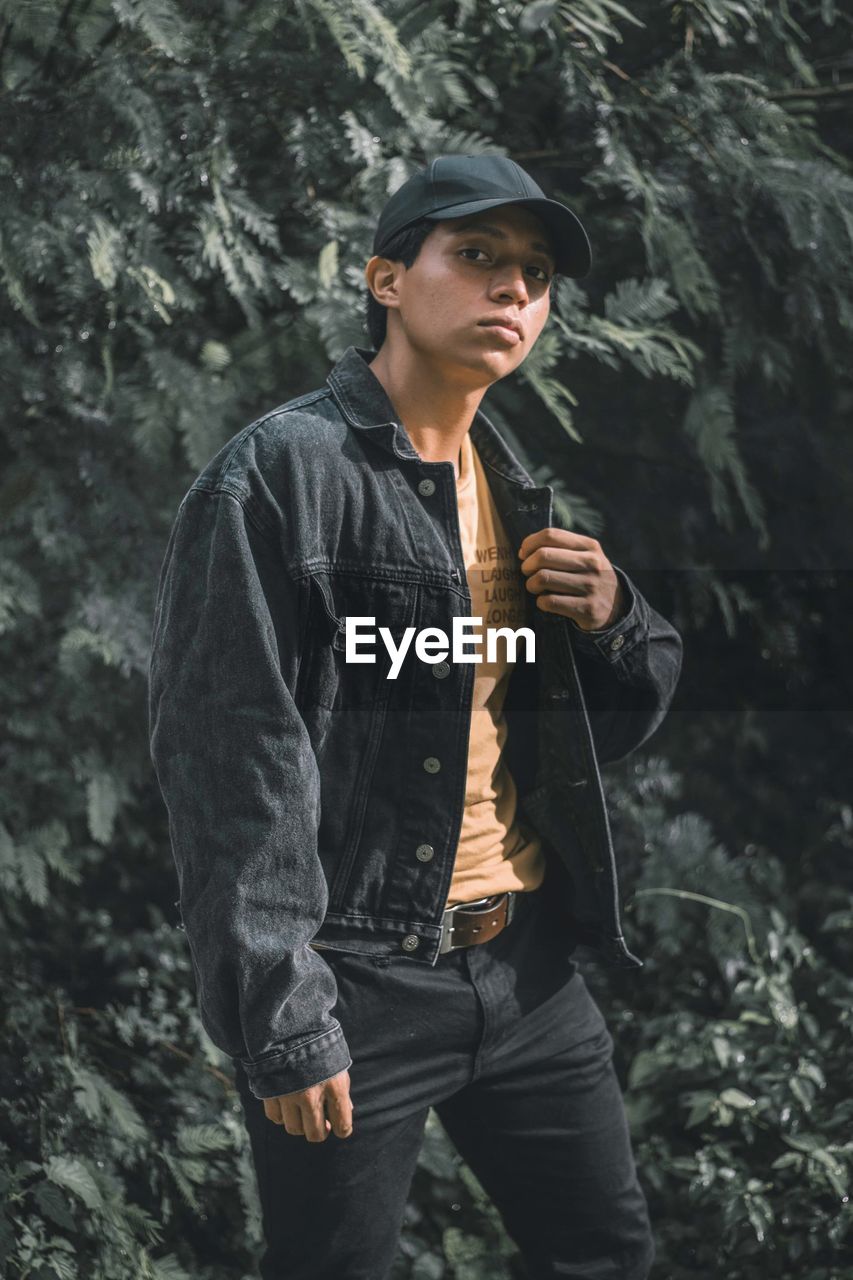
{"x":404,"y":247}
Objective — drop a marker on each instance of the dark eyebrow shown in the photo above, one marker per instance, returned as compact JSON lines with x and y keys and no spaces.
{"x":488,"y":229}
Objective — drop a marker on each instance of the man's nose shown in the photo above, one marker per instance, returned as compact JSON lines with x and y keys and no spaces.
{"x":511,"y":284}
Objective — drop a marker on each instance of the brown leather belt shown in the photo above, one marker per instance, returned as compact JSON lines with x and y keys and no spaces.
{"x":467,"y":923}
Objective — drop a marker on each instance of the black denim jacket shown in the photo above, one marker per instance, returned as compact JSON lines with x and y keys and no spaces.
{"x":314,"y":803}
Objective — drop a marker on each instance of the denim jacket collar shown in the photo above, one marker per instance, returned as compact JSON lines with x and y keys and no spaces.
{"x":367,"y":407}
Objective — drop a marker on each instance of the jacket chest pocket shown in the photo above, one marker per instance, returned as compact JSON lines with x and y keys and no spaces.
{"x":326,"y":676}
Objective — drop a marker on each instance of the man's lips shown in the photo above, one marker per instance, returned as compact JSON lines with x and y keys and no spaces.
{"x":503,"y":329}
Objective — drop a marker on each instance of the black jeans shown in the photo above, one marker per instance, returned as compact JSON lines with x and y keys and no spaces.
{"x":506,"y":1042}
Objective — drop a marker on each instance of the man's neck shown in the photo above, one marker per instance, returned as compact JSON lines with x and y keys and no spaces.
{"x":436,"y":413}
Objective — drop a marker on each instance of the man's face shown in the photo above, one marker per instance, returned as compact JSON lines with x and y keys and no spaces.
{"x":489,"y":265}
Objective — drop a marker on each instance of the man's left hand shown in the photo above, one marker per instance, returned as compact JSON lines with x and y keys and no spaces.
{"x":570,"y":575}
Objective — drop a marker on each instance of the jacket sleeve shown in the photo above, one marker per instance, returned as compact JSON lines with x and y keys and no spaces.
{"x":240,"y":781}
{"x":628,"y":673}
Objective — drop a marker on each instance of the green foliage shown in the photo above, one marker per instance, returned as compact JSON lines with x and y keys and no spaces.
{"x":738,"y":1049}
{"x":188,"y":204}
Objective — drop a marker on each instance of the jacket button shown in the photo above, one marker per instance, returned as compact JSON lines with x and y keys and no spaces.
{"x":426,"y":487}
{"x":432,"y":764}
{"x":424,"y":852}
{"x":440,"y":670}
{"x":617,"y":642}
{"x":410,"y":942}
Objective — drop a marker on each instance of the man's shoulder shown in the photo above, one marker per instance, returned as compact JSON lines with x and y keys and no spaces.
{"x":302,"y":428}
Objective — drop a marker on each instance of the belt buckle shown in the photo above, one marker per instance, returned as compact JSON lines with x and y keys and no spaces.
{"x":445,"y":943}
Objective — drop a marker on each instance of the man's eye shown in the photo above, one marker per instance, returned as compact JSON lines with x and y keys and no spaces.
{"x":544,"y":277}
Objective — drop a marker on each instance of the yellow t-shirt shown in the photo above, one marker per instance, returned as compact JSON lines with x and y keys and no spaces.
{"x":496,"y":850}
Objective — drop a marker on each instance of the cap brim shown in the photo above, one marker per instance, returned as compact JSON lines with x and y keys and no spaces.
{"x":574,"y":252}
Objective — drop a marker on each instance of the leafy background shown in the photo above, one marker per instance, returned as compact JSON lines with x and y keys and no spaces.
{"x":188,"y":198}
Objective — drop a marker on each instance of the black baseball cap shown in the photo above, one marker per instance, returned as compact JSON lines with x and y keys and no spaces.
{"x":452,"y":186}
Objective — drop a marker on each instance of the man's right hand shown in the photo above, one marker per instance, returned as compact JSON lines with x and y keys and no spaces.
{"x":314,"y":1112}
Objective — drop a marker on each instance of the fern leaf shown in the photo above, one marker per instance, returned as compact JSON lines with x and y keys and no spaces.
{"x":73,"y":1174}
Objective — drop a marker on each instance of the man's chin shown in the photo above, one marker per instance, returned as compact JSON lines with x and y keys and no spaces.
{"x":489,"y":364}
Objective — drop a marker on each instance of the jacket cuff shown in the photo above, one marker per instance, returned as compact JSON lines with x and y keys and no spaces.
{"x":621,"y":636}
{"x":310,"y":1062}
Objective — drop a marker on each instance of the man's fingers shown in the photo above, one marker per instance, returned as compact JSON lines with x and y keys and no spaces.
{"x":303,"y":1116}
{"x":558,"y":559}
{"x":314,"y":1119}
{"x":272,"y":1110}
{"x":555,"y":580}
{"x":292,"y":1114}
{"x":339,"y":1111}
{"x":556,"y":538}
{"x":304,"y":1112}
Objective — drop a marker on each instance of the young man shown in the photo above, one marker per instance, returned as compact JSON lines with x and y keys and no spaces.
{"x":386,"y":866}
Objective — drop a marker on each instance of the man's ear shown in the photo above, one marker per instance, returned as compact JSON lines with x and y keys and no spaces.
{"x":381,"y":277}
